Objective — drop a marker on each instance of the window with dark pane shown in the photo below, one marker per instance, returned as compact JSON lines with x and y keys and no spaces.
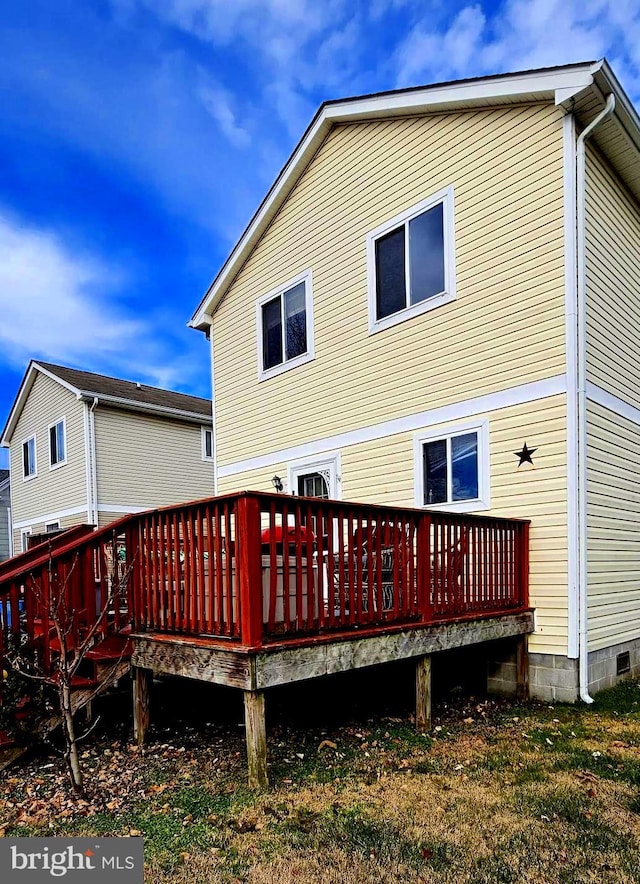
{"x":435,"y":472}
{"x":391,"y":291}
{"x":426,"y":254}
{"x":464,"y":467}
{"x":272,"y":333}
{"x":56,"y":443}
{"x":208,"y":443}
{"x":295,"y":312}
{"x":313,"y":485}
{"x":29,"y":457}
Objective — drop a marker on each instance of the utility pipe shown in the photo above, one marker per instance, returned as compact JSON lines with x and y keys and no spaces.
{"x":93,"y":466}
{"x":581,"y":258}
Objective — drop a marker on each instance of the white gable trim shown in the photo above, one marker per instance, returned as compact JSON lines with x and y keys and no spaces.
{"x":556,"y":85}
{"x":23,"y":393}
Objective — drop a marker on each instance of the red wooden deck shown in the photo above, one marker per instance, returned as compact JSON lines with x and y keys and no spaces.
{"x":255,"y":570}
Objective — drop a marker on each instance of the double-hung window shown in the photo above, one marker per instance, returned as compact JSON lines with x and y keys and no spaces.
{"x":285,"y":327}
{"x":57,"y":444}
{"x":411,"y":262}
{"x":452,"y":468}
{"x":29,"y":466}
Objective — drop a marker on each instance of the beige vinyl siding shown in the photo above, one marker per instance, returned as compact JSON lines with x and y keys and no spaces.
{"x":64,"y":487}
{"x":505,"y":328}
{"x":613,"y":283}
{"x":144,"y":461}
{"x":39,"y":527}
{"x":5,"y":503}
{"x":382,"y":471}
{"x":613,"y":502}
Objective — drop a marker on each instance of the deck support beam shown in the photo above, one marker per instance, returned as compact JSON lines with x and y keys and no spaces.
{"x":522,"y":667}
{"x":256,"y":733}
{"x":423,"y":693}
{"x":141,"y":680}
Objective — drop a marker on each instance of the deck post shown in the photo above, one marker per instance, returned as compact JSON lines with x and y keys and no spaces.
{"x":256,"y":733}
{"x":423,"y":693}
{"x":249,"y":570}
{"x":522,"y":668}
{"x":141,"y":681}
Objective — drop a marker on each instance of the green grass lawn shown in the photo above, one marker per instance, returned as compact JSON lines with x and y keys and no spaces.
{"x":496,"y":793}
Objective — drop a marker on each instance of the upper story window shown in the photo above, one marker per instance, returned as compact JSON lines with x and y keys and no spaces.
{"x":411,"y":267}
{"x":29,"y":466}
{"x":452,"y":468}
{"x":285,"y":327}
{"x":207,"y":444}
{"x":57,"y":444}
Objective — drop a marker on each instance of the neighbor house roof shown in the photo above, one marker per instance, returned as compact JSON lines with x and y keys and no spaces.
{"x":115,"y":392}
{"x":581,"y":88}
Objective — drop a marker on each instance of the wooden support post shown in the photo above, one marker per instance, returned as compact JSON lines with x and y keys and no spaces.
{"x":423,"y":693}
{"x":256,"y":733}
{"x":141,"y":679}
{"x":522,"y":668}
{"x":88,"y":712}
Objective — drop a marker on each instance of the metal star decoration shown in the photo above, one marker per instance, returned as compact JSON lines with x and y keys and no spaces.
{"x":525,"y":455}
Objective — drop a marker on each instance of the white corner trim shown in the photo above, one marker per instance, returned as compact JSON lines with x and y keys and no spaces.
{"x":49,"y":517}
{"x":446,"y":197}
{"x":613,"y":403}
{"x":63,"y":462}
{"x":553,"y":386}
{"x":264,"y":374}
{"x":571,"y":350}
{"x":214,"y":423}
{"x":483,"y":501}
{"x":328,"y":460}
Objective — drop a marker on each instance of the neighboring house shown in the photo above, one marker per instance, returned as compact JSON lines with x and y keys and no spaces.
{"x":5,"y":515}
{"x":90,"y":448}
{"x":438,"y":304}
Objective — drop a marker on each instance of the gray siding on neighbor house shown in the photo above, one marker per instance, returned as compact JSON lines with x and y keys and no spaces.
{"x":5,"y":503}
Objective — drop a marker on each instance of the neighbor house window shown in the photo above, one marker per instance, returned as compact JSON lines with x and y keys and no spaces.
{"x":207,"y":444}
{"x":25,"y":533}
{"x":411,"y":262}
{"x":57,"y":444}
{"x":452,"y":468}
{"x":50,"y":527}
{"x":285,"y":327}
{"x":29,"y":457}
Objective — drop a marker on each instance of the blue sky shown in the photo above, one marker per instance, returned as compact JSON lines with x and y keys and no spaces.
{"x":138,"y":136}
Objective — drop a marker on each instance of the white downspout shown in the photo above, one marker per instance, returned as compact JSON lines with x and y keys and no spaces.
{"x":92,"y":461}
{"x":582,"y":394}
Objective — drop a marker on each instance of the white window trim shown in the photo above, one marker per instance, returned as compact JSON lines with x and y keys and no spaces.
{"x":24,"y":532}
{"x":330,"y":461}
{"x":288,"y":364}
{"x":63,"y":421}
{"x":431,"y":434}
{"x":203,"y":435}
{"x":35,"y":457}
{"x":444,"y":196}
{"x":55,"y":526}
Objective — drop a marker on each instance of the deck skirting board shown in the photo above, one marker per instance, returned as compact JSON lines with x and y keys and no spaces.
{"x":310,"y":661}
{"x":270,"y":667}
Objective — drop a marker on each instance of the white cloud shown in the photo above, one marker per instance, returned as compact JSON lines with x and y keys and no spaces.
{"x":59,"y":305}
{"x":521,"y":34}
{"x":218,"y":103}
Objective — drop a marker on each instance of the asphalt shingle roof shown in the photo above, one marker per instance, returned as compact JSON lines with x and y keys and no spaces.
{"x":102,"y":385}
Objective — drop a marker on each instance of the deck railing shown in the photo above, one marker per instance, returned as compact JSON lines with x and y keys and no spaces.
{"x":256,"y":568}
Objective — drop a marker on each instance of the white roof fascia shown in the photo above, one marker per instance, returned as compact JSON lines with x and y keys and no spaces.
{"x":550,"y":84}
{"x":135,"y":405}
{"x":23,"y":393}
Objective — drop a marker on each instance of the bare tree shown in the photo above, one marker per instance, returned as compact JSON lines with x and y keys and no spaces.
{"x":58,"y":611}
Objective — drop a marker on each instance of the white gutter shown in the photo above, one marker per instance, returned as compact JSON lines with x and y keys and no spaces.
{"x":582,"y":394}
